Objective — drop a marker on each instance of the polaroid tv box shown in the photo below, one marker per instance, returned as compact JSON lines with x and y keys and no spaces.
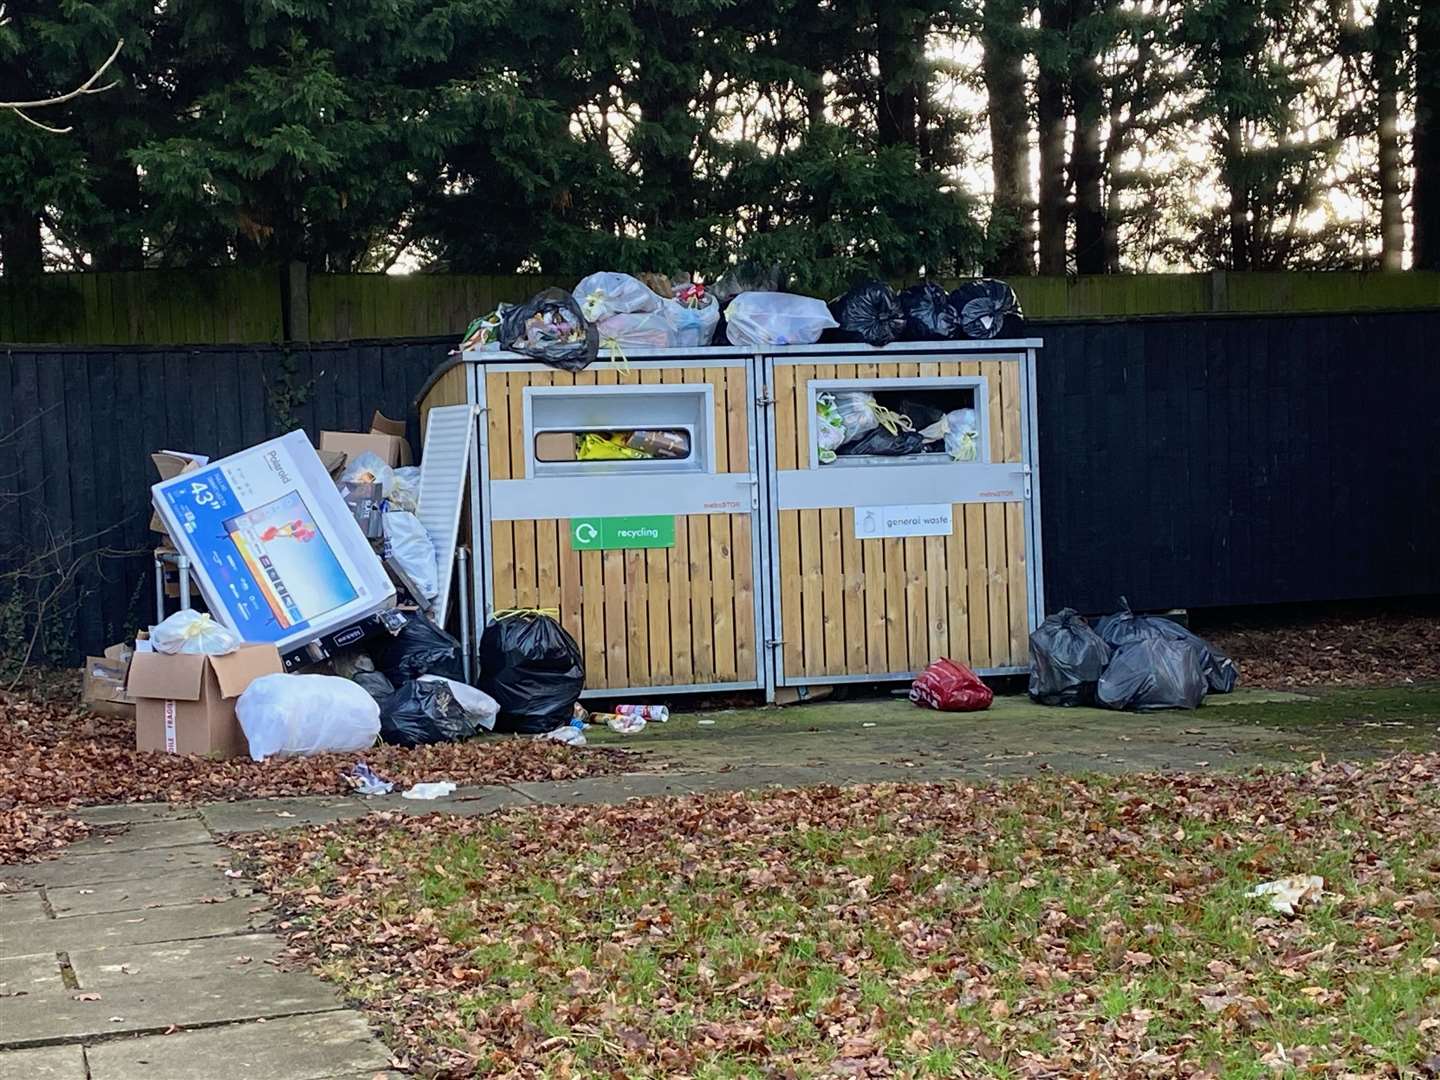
{"x":278,"y":555}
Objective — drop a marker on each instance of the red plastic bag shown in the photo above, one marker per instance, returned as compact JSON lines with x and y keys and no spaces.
{"x":950,"y":687}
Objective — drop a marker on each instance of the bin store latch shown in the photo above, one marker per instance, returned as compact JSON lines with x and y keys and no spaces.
{"x":1027,"y":470}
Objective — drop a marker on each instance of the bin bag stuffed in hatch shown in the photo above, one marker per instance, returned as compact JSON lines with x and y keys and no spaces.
{"x":277,"y":553}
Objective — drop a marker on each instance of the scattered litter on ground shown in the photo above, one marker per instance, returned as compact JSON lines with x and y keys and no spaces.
{"x":439,"y":789}
{"x":364,"y":781}
{"x":1289,"y":892}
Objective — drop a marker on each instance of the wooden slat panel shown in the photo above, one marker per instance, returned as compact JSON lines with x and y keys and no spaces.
{"x":722,"y":567}
{"x":791,"y":634}
{"x":853,"y":592}
{"x":741,"y":531}
{"x":617,"y":667}
{"x":657,"y":594}
{"x":527,"y":593}
{"x":957,"y":590}
{"x":502,"y":533}
{"x":1019,"y":585}
{"x":977,"y":585}
{"x":637,"y":620}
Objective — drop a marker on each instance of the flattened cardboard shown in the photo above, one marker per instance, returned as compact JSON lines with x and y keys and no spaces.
{"x":186,"y":704}
{"x":170,"y":464}
{"x":555,"y":446}
{"x":103,"y":683}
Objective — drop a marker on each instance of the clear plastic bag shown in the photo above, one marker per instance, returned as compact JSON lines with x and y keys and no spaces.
{"x":407,"y":542}
{"x":192,"y":632}
{"x":692,"y":324}
{"x":369,"y":468}
{"x":301,"y":715}
{"x":773,"y":318}
{"x":609,"y":293}
{"x":636,"y":330}
{"x":403,"y":491}
{"x":829,"y":427}
{"x":962,"y":435}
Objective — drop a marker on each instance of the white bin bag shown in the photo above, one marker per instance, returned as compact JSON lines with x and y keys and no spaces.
{"x":301,"y":715}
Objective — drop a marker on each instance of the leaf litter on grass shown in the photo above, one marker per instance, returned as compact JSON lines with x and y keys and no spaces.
{"x":1040,"y":927}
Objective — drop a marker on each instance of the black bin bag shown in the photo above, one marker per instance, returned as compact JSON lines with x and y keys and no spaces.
{"x":882,"y":443}
{"x":533,"y":668}
{"x":987,"y":309}
{"x":1125,"y":626}
{"x":424,"y":711}
{"x":551,"y":328}
{"x":420,"y":648}
{"x":1153,"y":673}
{"x":928,"y":313}
{"x":1066,"y":660}
{"x":869,"y":312}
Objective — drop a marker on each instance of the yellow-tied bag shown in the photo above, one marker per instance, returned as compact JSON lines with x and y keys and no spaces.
{"x":597,"y":447}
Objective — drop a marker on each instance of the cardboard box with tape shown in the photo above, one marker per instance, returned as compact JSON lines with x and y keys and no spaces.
{"x":385,"y":439}
{"x":185,"y":704}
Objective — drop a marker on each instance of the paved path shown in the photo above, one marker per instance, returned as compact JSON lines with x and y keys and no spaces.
{"x":135,"y":955}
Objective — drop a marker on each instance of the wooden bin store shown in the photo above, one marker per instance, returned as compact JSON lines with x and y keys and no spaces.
{"x":744,"y":561}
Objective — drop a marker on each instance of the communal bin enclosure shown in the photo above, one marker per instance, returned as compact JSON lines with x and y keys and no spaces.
{"x":741,"y":560}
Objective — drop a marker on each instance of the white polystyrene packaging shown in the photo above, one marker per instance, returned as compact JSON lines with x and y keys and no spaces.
{"x":772,"y":318}
{"x":301,"y":715}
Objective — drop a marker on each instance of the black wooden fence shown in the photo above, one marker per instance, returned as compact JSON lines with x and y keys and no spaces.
{"x":1186,"y":461}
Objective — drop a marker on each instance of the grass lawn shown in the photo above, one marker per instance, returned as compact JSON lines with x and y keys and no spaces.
{"x":1042,"y":927}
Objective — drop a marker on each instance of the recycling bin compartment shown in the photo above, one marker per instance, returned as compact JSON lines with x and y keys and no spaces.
{"x":879,"y":564}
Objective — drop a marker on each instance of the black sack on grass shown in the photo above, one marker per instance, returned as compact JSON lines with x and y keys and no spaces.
{"x":1067,"y":658}
{"x":424,"y":711}
{"x":566,"y":339}
{"x":1125,"y":626}
{"x":533,"y":668}
{"x":869,"y":312}
{"x":928,"y":313}
{"x":420,"y":648}
{"x":987,"y":309}
{"x":1152,"y":673}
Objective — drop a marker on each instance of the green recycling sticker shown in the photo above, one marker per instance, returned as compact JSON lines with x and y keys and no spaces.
{"x":617,"y":533}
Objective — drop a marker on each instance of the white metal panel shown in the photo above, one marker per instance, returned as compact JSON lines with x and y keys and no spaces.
{"x":443,"y":468}
{"x":882,"y":482}
{"x":623,"y":492}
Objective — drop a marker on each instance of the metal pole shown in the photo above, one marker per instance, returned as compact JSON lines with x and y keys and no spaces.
{"x":182,"y":568}
{"x":462,"y":558}
{"x":159,"y":589}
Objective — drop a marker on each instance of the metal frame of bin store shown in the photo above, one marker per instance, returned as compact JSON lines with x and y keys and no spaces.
{"x":880,"y":565}
{"x":765,"y":582}
{"x":686,"y":615}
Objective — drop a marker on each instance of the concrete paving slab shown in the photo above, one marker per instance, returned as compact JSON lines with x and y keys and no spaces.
{"x":118,"y":865}
{"x":130,"y":813}
{"x":295,"y":1048}
{"x":22,"y":907}
{"x":153,"y":1007}
{"x":146,"y":836}
{"x":45,"y":1063}
{"x":601,"y":789}
{"x":29,"y":974}
{"x":241,"y":915}
{"x":183,"y":887}
{"x":239,"y":956}
{"x":271,"y":814}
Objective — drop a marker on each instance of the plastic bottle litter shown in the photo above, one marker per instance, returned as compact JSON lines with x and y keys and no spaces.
{"x":571,"y":734}
{"x":437,"y":790}
{"x":658,"y":714}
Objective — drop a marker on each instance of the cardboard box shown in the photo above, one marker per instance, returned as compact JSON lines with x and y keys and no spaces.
{"x":274,"y":549}
{"x":386,"y":439}
{"x":185,"y":704}
{"x":103,"y":682}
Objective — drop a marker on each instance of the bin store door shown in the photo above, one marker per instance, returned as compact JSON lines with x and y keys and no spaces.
{"x":942,"y":565}
{"x":682,"y":615}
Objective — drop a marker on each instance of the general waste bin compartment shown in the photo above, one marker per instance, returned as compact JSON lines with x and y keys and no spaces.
{"x":881,"y":564}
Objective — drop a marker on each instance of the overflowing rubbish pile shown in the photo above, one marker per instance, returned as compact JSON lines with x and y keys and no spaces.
{"x":748,"y":307}
{"x":1126,"y":661}
{"x":323,"y":586}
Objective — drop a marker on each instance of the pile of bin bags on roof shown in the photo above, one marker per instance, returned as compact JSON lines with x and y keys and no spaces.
{"x":619,"y":312}
{"x":1126,"y":661}
{"x":409,"y":689}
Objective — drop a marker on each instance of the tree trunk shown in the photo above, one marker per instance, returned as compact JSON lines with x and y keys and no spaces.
{"x":1087,"y":163}
{"x":1233,"y":175}
{"x":21,"y":251}
{"x":1012,"y":230}
{"x":1050,"y":111}
{"x":898,"y":107}
{"x":1389,"y":50}
{"x":1425,"y":198}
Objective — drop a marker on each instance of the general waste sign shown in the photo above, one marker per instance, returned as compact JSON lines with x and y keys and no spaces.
{"x":617,"y":533}
{"x":874,"y":522}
